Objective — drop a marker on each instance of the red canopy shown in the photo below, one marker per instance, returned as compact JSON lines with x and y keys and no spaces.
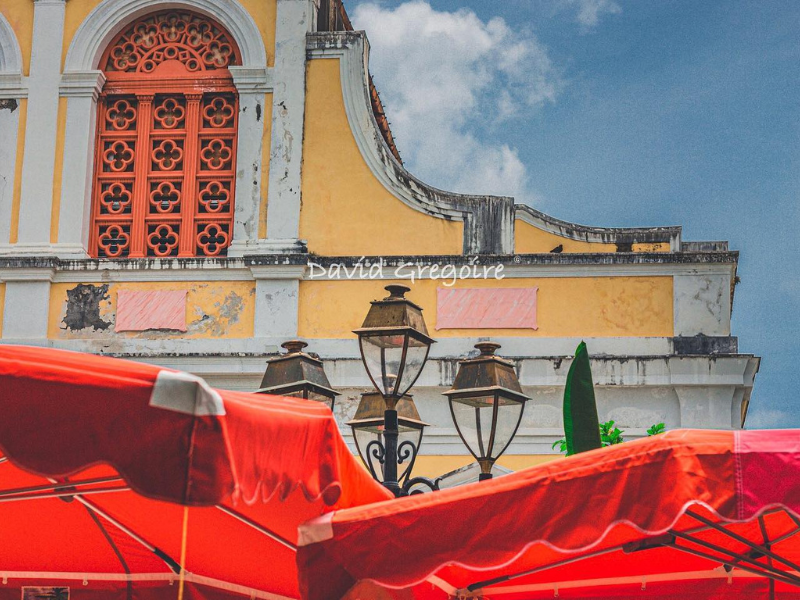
{"x":689,"y":514}
{"x":97,"y":455}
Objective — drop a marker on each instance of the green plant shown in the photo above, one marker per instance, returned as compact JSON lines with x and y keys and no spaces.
{"x":609,"y":435}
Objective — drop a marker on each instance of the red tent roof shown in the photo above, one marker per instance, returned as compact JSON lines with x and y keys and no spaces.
{"x":653,"y":518}
{"x":98,"y":455}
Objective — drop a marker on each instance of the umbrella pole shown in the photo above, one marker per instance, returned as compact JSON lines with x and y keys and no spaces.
{"x":184,"y":530}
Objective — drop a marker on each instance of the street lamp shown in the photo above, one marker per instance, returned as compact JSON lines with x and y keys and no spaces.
{"x":369,"y":431}
{"x":299,"y":374}
{"x":394,"y":344}
{"x":486,"y":403}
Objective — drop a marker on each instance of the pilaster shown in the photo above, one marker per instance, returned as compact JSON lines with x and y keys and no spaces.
{"x":27,"y":303}
{"x":82,"y":89}
{"x":702,"y":302}
{"x":277,"y":295}
{"x":40,"y":138}
{"x":295,"y":18}
{"x":252,"y":83}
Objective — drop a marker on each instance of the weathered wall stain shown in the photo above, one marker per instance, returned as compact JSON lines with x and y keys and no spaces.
{"x":228,"y":312}
{"x":83,"y":308}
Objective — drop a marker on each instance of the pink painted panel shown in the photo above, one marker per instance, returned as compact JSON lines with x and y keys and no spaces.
{"x":139,"y":311}
{"x":486,"y":308}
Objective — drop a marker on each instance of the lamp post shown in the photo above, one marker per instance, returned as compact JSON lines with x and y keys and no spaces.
{"x":299,"y":374}
{"x":486,"y":403}
{"x":369,"y":431}
{"x":394,"y":344}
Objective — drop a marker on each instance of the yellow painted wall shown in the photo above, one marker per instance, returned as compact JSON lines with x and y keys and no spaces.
{"x":346,"y":210}
{"x":20,"y":15}
{"x":262,"y":11}
{"x":213,"y":310}
{"x":656,"y":247}
{"x":567,"y":307}
{"x":58,"y":169}
{"x":532,"y":240}
{"x":15,"y":199}
{"x":434,"y":466}
{"x":529,"y":239}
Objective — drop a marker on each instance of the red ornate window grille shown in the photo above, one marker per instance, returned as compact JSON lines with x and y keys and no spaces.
{"x":165,"y":158}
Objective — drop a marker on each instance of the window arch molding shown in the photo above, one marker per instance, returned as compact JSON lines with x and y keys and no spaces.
{"x":110,"y":17}
{"x":10,"y":54}
{"x":82,"y":81}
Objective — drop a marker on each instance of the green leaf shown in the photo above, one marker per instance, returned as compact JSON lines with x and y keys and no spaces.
{"x":581,"y":425}
{"x":656,"y":429}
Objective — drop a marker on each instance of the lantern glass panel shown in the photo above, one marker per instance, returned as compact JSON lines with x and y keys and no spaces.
{"x":509,"y":413}
{"x":474,"y":418}
{"x":383,"y":356}
{"x":416,"y":355}
{"x":363,"y":436}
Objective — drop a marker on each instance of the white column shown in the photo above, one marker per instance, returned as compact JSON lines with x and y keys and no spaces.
{"x":40,"y":137}
{"x":295,"y":18}
{"x":81,"y":89}
{"x":277,"y":296}
{"x":27,"y":304}
{"x":251,"y":83}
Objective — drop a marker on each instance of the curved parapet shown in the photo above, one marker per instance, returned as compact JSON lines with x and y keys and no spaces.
{"x":489,"y":222}
{"x":613,"y":239}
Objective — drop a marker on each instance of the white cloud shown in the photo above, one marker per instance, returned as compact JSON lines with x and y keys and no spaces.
{"x":590,"y":11}
{"x":449,"y":81}
{"x":768,"y":419}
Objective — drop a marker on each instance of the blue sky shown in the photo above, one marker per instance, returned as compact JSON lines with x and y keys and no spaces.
{"x":619,"y":113}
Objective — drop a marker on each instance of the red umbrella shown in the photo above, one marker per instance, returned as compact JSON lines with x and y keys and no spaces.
{"x":687,"y":514}
{"x":101,"y":460}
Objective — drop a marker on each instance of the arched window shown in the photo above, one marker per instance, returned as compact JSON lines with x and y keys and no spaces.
{"x":165,"y":157}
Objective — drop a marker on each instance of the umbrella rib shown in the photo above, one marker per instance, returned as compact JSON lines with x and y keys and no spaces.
{"x":66,"y":493}
{"x":258,"y":527}
{"x":114,"y":547}
{"x":171,"y":563}
{"x":489,"y":582}
{"x":739,"y":557}
{"x":743,"y":540}
{"x":59,"y":486}
{"x":753,"y":570}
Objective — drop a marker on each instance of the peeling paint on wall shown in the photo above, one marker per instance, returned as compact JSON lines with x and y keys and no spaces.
{"x":83,"y":308}
{"x":213,"y":310}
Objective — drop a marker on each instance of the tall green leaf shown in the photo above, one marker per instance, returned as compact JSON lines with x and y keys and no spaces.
{"x":581,"y":425}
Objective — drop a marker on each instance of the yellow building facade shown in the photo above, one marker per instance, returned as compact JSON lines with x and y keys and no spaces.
{"x":320,"y":215}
